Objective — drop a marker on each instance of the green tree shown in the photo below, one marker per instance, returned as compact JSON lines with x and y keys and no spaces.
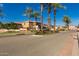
{"x":67,"y":21}
{"x":1,"y":25}
{"x":55,"y":6}
{"x":36,"y":15}
{"x":1,"y":11}
{"x":13,"y":25}
{"x":28,"y":13}
{"x":43,"y":6}
{"x":49,"y":9}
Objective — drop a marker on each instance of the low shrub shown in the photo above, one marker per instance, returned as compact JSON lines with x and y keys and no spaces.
{"x":20,"y":34}
{"x":43,"y":32}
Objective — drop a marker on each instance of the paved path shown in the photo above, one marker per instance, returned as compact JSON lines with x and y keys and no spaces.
{"x":30,"y":45}
{"x":75,"y":51}
{"x":77,"y":41}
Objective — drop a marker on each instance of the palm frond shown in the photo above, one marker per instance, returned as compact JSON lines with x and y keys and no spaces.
{"x":66,"y":19}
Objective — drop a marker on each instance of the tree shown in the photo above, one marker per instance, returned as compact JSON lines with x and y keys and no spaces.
{"x":55,"y":6}
{"x":50,"y":7}
{"x":13,"y":25}
{"x":28,"y":13}
{"x":36,"y":15}
{"x":1,"y":25}
{"x":49,"y":11}
{"x":47,"y":6}
{"x":43,"y":6}
{"x":67,"y":20}
{"x":41,"y":18}
{"x":1,"y":11}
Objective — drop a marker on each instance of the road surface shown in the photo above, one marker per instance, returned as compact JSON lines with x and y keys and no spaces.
{"x":41,"y":45}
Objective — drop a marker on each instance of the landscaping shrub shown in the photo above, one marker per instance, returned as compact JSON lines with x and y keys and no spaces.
{"x":43,"y":32}
{"x":20,"y":34}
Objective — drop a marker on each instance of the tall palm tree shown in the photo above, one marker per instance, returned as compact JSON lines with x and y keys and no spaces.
{"x":43,"y":6}
{"x":1,"y":25}
{"x":41,"y":18}
{"x":49,"y":11}
{"x":36,"y":15}
{"x":1,"y":11}
{"x":55,"y":6}
{"x":67,"y":20}
{"x":28,"y":13}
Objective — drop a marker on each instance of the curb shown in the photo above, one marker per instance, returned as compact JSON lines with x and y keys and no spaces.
{"x":75,"y":47}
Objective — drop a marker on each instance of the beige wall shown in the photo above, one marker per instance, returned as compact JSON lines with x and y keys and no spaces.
{"x":3,"y":30}
{"x":29,"y":25}
{"x":25,"y":24}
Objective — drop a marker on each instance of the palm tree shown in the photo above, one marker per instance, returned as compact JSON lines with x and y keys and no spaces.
{"x":1,"y":11}
{"x":55,"y":6}
{"x":36,"y":15}
{"x":41,"y":18}
{"x":67,"y":20}
{"x":43,"y":6}
{"x":1,"y":25}
{"x":49,"y":11}
{"x":28,"y":13}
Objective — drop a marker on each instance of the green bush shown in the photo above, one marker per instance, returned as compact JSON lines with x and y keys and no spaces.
{"x":20,"y":34}
{"x":62,"y":29}
{"x":43,"y":32}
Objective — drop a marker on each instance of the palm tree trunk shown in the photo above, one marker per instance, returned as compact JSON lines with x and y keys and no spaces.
{"x":54,"y":19}
{"x":29,"y":22}
{"x":54,"y":23}
{"x":41,"y":19}
{"x":29,"y":18}
{"x":35,"y":21}
{"x":41,"y":23}
{"x":49,"y":21}
{"x":68,"y":26}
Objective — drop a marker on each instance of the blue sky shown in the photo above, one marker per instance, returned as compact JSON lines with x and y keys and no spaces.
{"x":14,"y":12}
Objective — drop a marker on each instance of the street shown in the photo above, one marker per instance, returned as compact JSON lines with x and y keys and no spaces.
{"x":58,"y":44}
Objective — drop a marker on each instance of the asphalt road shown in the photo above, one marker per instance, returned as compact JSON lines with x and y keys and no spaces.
{"x":30,"y":45}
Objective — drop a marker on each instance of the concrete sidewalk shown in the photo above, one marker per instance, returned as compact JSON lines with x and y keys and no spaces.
{"x":75,"y":45}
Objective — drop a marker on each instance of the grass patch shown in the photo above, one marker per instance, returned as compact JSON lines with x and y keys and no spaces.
{"x":9,"y":33}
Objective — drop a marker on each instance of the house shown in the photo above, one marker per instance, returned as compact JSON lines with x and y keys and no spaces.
{"x":72,"y":27}
{"x":29,"y":25}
